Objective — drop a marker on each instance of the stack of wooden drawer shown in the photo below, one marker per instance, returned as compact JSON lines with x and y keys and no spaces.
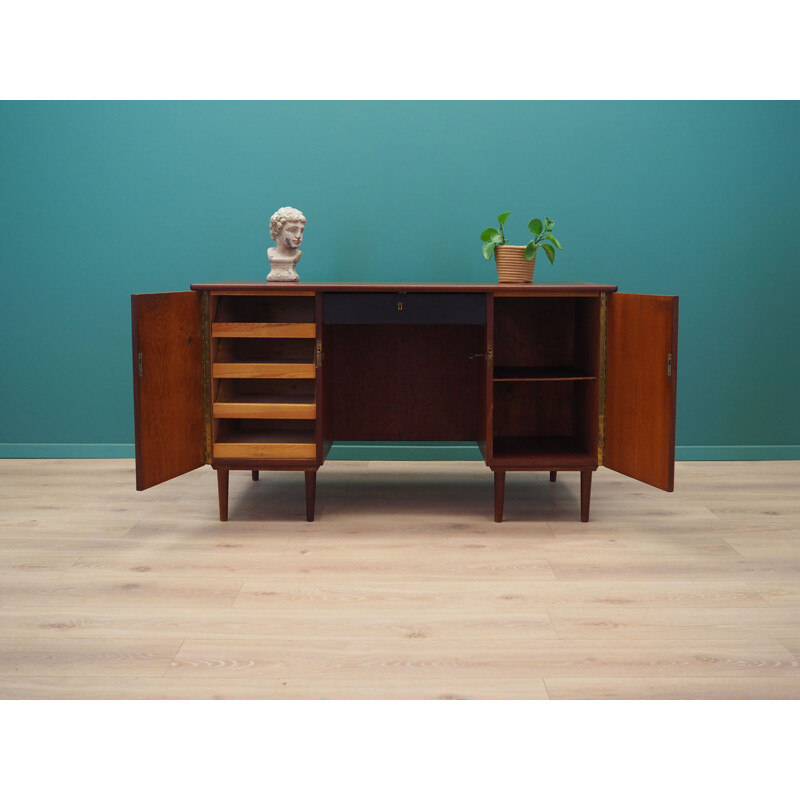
{"x":263,"y":368}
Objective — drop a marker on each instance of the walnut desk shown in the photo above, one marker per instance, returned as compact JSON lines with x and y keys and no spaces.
{"x":549,"y":377}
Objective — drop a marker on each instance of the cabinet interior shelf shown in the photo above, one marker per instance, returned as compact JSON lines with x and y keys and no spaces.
{"x":266,"y":398}
{"x":565,"y":373}
{"x":543,"y":451}
{"x":265,"y":406}
{"x":255,"y":436}
{"x":264,"y":330}
{"x":272,"y":369}
{"x":269,"y":360}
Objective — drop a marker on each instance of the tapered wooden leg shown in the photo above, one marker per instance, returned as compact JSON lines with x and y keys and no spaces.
{"x":499,"y":494}
{"x":222,"y":490}
{"x":586,"y":493}
{"x":311,"y":489}
{"x":255,"y":474}
{"x":553,"y":474}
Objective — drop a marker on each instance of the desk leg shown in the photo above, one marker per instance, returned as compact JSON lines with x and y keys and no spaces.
{"x":255,"y":474}
{"x":553,"y":474}
{"x":586,"y":493}
{"x":311,"y":489}
{"x":499,"y":494}
{"x":222,"y":490}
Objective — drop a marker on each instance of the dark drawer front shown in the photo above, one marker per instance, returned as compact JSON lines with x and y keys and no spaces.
{"x":409,"y":308}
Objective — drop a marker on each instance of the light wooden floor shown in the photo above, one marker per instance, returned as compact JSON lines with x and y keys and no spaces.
{"x":404,"y":587}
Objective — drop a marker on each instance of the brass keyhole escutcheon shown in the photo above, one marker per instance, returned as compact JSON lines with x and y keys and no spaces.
{"x":400,"y":305}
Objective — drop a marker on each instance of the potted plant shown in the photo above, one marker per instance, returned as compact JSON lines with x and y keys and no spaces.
{"x":515,"y":262}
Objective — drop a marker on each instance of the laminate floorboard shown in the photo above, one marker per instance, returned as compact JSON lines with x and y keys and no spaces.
{"x":403,"y":588}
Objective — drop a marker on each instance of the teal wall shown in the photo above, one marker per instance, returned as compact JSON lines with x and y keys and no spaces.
{"x":99,"y":200}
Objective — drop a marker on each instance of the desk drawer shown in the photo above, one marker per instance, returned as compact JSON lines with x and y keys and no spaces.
{"x":409,"y":308}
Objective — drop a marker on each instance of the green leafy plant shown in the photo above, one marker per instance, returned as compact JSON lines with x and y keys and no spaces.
{"x":542,"y":234}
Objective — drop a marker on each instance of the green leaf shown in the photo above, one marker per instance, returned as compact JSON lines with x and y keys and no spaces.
{"x":497,"y":238}
{"x":503,"y":217}
{"x":488,"y":249}
{"x":530,"y":251}
{"x":550,"y":250}
{"x":549,"y":224}
{"x":535,"y":227}
{"x":486,"y":236}
{"x":554,"y":241}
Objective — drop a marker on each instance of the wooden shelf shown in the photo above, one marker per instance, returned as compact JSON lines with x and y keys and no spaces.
{"x":266,"y":406}
{"x":264,"y":330}
{"x":565,"y":373}
{"x":263,"y":371}
{"x":285,"y":443}
{"x":544,"y":452}
{"x":235,"y":369}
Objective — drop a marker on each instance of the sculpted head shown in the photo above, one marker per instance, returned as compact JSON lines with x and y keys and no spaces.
{"x":286,"y":227}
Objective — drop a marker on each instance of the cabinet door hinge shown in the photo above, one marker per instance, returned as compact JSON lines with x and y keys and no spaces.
{"x":141,"y":367}
{"x":319,"y":352}
{"x":669,"y":365}
{"x":489,"y":355}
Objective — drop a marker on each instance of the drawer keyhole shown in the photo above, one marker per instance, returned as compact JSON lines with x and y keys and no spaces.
{"x":400,"y":305}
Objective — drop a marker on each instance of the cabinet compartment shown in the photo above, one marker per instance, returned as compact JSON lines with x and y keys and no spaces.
{"x":546,"y":337}
{"x":545,"y":424}
{"x":265,"y":351}
{"x":263,"y":371}
{"x":404,"y":382}
{"x":545,"y":382}
{"x":258,"y":438}
{"x":265,"y":399}
{"x":263,"y":358}
{"x":264,"y":309}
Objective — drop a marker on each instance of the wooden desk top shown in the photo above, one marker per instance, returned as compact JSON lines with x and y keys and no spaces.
{"x":568,"y":287}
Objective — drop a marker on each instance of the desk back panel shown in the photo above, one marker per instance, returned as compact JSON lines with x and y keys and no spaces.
{"x":404,"y":382}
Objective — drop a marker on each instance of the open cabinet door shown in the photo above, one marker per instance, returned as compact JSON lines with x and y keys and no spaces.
{"x":641,"y":364}
{"x":167,"y":385}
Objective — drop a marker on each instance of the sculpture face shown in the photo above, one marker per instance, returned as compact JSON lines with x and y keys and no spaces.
{"x":291,"y":237}
{"x":286,"y":228}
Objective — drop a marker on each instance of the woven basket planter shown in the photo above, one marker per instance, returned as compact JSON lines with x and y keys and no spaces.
{"x":512,"y":267}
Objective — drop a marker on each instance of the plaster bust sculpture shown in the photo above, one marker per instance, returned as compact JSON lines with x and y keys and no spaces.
{"x":286,"y":228}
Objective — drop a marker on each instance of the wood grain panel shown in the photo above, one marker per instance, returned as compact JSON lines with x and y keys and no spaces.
{"x":777,"y":592}
{"x":264,"y":330}
{"x":264,"y":450}
{"x":404,"y":588}
{"x":94,"y":657}
{"x":518,"y":657}
{"x":120,"y":592}
{"x":247,"y":289}
{"x":436,"y":562}
{"x":311,"y":687}
{"x":236,"y":370}
{"x":265,"y":410}
{"x":167,"y":385}
{"x":401,"y":659}
{"x":641,"y":379}
{"x":404,"y":383}
{"x":279,"y":595}
{"x":698,"y":624}
{"x":309,"y":623}
{"x":568,"y":288}
{"x":720,"y":687}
